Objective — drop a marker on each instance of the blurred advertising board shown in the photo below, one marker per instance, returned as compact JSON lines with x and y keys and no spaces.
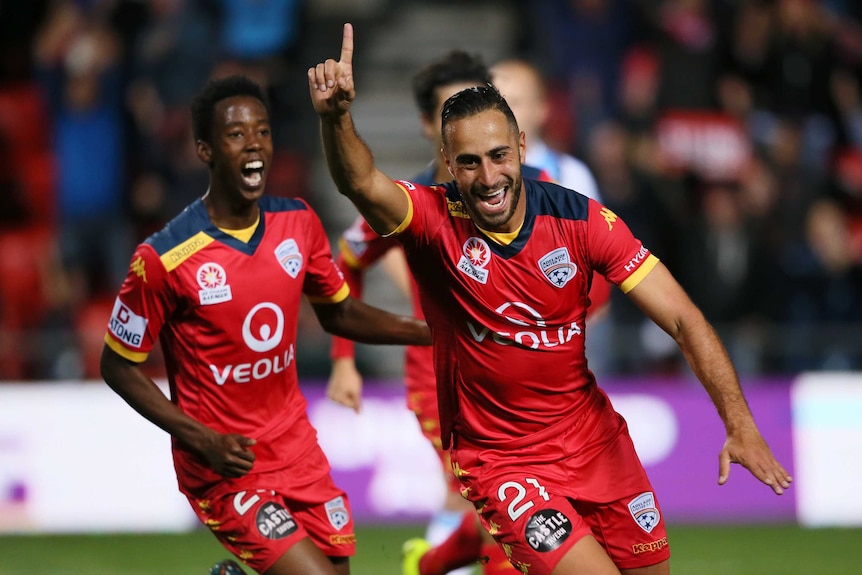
{"x":74,"y":457}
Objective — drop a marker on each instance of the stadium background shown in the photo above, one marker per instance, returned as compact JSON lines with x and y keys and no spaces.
{"x":728,"y":133}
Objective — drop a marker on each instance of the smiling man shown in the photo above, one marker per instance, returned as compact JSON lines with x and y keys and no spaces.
{"x":504,"y":266}
{"x":220,"y":288}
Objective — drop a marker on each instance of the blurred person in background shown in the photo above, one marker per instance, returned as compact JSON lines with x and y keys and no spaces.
{"x":523,"y":86}
{"x":512,"y":403}
{"x":359,"y":249}
{"x":245,"y":452}
{"x":78,"y":63}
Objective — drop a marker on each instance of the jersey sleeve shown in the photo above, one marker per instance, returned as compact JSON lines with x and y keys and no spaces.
{"x":324,"y":282}
{"x":144,"y":303}
{"x":614,"y":251}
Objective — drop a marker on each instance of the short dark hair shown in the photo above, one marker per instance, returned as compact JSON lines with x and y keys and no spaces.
{"x":472,"y":101}
{"x":216,"y":90}
{"x":456,"y":66}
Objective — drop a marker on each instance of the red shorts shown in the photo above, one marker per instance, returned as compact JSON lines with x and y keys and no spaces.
{"x":424,"y":405}
{"x":583,"y":478}
{"x":260,"y":525}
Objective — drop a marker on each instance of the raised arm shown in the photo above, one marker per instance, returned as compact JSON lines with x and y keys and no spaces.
{"x":666,"y":303}
{"x":380,"y":201}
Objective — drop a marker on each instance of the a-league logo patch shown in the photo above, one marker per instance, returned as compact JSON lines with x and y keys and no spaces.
{"x":337,"y":512}
{"x":644,"y":511}
{"x":212,"y":280}
{"x":289,"y":257}
{"x":547,"y":529}
{"x":274,"y":521}
{"x":558,"y":267}
{"x":475,"y":255}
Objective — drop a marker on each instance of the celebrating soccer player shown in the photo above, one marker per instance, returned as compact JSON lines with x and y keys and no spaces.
{"x":503,"y":265}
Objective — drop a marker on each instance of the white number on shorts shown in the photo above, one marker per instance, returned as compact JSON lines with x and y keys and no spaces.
{"x":243,"y":506}
{"x":515,"y":510}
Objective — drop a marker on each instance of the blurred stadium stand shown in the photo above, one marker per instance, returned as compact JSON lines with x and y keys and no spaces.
{"x":727,"y":134}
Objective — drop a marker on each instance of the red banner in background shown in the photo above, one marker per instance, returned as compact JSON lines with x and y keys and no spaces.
{"x":711,"y":145}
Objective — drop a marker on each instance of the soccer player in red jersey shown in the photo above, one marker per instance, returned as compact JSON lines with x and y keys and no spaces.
{"x":220,"y":287}
{"x":503,"y":265}
{"x":360,"y":248}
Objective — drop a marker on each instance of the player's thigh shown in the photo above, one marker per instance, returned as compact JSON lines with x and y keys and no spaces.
{"x":631,"y":529}
{"x":586,"y":557}
{"x":522,"y":508}
{"x":306,"y":558}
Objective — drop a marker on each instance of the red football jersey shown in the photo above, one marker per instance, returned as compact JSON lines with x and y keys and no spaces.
{"x":508,"y":320}
{"x":225,"y":312}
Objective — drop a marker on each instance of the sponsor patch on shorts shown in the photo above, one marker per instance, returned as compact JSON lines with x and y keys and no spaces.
{"x":644,"y":511}
{"x":274,"y":521}
{"x":547,"y":529}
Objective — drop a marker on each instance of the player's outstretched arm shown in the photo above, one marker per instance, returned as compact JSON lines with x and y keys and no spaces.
{"x":380,"y":201}
{"x":356,"y":320}
{"x":228,"y":454}
{"x":666,"y":303}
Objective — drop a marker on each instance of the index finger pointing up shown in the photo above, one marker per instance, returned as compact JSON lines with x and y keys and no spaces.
{"x":347,"y":45}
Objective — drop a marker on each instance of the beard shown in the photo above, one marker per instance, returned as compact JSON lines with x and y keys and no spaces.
{"x":492,"y":221}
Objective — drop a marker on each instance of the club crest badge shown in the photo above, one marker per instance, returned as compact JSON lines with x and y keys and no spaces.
{"x":289,"y":257}
{"x":212,"y":280}
{"x":557,"y":267}
{"x":644,"y":511}
{"x":475,"y":255}
{"x":337,"y":512}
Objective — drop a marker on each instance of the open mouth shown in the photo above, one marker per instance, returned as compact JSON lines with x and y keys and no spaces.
{"x":252,"y":173}
{"x":495,"y":200}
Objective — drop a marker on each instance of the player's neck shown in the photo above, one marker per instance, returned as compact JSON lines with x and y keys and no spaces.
{"x":230,"y":215}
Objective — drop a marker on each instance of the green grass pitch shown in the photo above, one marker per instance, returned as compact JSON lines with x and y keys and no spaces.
{"x":696,"y":550}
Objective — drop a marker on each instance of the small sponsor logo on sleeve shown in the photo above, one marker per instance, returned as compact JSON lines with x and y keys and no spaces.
{"x":127,"y":326}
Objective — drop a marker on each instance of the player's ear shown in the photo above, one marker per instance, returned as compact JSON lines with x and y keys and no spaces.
{"x":446,"y":159}
{"x":204,"y":151}
{"x":522,"y":146}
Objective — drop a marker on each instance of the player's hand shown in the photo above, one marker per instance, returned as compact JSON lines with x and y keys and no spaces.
{"x":345,"y":384}
{"x":331,"y":82}
{"x":748,"y":448}
{"x":229,"y":454}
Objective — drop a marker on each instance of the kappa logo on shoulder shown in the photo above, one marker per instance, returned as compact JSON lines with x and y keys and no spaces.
{"x":557,"y":267}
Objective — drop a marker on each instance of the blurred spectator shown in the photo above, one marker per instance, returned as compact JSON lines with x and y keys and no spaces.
{"x":823,"y":308}
{"x":77,"y":58}
{"x":582,"y":42}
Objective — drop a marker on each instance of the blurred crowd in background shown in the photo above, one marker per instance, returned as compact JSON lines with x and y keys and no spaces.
{"x":726,"y":133}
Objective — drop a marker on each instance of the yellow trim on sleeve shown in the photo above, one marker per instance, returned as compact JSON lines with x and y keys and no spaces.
{"x":407,"y":219}
{"x":136,"y":356}
{"x":337,"y":297}
{"x":349,"y":257}
{"x":634,"y":279}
